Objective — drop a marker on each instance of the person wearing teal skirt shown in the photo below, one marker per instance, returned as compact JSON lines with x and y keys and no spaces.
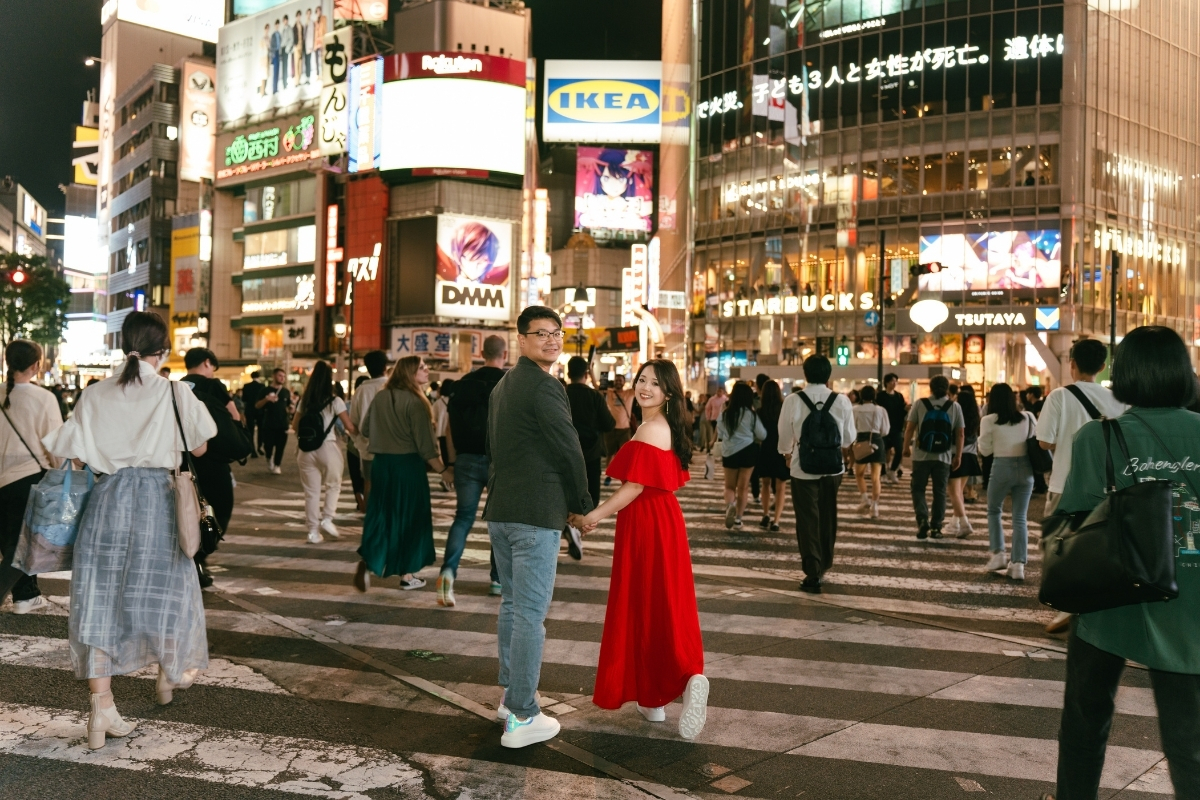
{"x":397,"y":534}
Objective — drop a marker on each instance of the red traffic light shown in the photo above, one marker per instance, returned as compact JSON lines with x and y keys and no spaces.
{"x":18,"y":276}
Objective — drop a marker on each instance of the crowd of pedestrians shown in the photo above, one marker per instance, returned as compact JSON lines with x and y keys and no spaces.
{"x":520,"y":432}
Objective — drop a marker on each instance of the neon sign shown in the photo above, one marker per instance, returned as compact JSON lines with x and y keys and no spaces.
{"x":793,"y":304}
{"x":260,"y":150}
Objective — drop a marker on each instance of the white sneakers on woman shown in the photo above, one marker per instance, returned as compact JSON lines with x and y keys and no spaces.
{"x":695,"y":707}
{"x":315,"y":537}
{"x":329,"y":529}
{"x":962,"y":527}
{"x":656,"y":714}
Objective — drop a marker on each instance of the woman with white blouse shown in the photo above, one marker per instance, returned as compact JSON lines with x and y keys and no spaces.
{"x":135,"y":596}
{"x":871,"y":422}
{"x":1002,"y":434}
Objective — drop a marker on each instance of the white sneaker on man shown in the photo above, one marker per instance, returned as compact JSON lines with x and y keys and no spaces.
{"x":502,"y":711}
{"x":997,"y":562}
{"x":32,"y":604}
{"x":1016,"y":571}
{"x":314,"y":537}
{"x":330,"y":529}
{"x":445,"y":589}
{"x":524,"y":732}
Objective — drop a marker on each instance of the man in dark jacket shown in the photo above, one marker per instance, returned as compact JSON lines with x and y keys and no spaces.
{"x":213,"y":476}
{"x":592,"y":420}
{"x":252,"y":392}
{"x":468,"y":411}
{"x":537,"y":479}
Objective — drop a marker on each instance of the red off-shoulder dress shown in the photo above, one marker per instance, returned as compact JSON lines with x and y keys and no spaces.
{"x":651,"y":643}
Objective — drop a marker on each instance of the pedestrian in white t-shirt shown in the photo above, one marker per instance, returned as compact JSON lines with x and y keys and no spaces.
{"x":321,"y":469}
{"x":1063,"y":414}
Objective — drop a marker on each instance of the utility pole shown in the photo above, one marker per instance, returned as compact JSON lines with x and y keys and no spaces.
{"x":1112,"y":308}
{"x":879,"y":301}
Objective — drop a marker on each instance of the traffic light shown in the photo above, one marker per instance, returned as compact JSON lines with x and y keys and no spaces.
{"x":17,"y":276}
{"x":843,"y":355}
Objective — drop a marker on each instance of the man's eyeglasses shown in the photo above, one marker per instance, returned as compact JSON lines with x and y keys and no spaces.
{"x":546,"y":336}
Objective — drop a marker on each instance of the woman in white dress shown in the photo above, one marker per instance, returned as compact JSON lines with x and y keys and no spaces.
{"x":135,"y":596}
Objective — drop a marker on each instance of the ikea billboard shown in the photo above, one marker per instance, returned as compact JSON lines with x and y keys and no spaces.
{"x":602,"y":102}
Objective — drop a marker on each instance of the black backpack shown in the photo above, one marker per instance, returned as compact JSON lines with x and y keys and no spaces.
{"x":820,"y":439}
{"x":311,"y":429}
{"x":232,"y":442}
{"x":936,"y":432}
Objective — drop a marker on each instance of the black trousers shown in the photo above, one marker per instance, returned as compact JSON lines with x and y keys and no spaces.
{"x":1092,"y":678}
{"x":815,"y":503}
{"x":937,"y":473}
{"x":593,"y":478}
{"x":251,"y":421}
{"x":13,"y":497}
{"x":895,"y":443}
{"x":216,"y":484}
{"x":354,"y":463}
{"x":273,"y":442}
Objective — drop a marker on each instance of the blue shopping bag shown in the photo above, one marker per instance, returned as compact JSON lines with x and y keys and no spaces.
{"x":52,"y":516}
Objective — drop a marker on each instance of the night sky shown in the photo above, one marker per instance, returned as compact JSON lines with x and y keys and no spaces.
{"x":43,"y":81}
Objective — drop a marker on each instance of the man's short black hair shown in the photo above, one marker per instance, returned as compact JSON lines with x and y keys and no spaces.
{"x":197,"y":356}
{"x":279,"y":369}
{"x":255,"y":375}
{"x":891,"y":376}
{"x":536,"y":312}
{"x":817,"y":369}
{"x":939,"y":385}
{"x":577,"y":367}
{"x":1089,"y":355}
{"x":376,"y":363}
{"x":760,"y":380}
{"x":1152,"y":369}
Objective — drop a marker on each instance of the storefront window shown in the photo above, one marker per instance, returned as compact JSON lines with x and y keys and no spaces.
{"x":264,"y":203}
{"x":275,"y":295}
{"x":1000,"y":168}
{"x":953,"y":181}
{"x":933,"y":174}
{"x":280,"y":248}
{"x":977,"y":170}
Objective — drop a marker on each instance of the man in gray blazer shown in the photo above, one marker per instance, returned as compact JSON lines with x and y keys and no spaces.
{"x":537,"y":478}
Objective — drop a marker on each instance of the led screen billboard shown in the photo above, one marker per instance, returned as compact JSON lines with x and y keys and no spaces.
{"x":365,"y":114}
{"x":604,"y":102}
{"x":614,"y":191}
{"x":997,"y":260}
{"x":199,"y":19}
{"x":453,"y":124}
{"x":197,"y":122}
{"x":474,"y":257}
{"x":271,"y":60}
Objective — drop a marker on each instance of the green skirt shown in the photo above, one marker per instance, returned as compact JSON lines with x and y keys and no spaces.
{"x":397,"y":534}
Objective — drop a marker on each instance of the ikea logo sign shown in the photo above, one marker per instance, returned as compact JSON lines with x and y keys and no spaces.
{"x":603,"y":101}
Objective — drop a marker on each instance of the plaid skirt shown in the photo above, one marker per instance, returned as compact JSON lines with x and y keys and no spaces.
{"x":135,"y":597}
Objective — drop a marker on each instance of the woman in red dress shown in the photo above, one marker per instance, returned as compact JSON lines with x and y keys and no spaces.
{"x":651,"y":651}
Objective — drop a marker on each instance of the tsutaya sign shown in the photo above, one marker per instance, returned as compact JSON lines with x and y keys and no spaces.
{"x":886,"y":69}
{"x":843,"y":301}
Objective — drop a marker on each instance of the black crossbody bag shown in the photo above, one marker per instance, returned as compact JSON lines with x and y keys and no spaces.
{"x":1120,"y":553}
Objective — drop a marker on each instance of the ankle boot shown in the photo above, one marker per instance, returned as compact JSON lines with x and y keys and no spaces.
{"x":104,"y":721}
{"x":165,"y":690}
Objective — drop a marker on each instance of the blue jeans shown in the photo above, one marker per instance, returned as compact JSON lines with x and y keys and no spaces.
{"x":527,"y":559}
{"x":470,"y":476}
{"x":1010,"y":476}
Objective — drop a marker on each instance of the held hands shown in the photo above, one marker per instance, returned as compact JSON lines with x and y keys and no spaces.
{"x":583,"y":522}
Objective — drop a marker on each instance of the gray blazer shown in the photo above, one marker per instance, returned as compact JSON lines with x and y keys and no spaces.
{"x":537,"y":474}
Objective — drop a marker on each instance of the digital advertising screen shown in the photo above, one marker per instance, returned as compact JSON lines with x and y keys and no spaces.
{"x":453,"y":124}
{"x":474,"y":260}
{"x":199,"y":19}
{"x":996,"y":260}
{"x":614,"y":190}
{"x":272,"y":60}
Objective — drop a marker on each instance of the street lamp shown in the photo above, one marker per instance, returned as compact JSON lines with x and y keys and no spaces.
{"x":92,"y":61}
{"x":339,"y":325}
{"x":579,"y":298}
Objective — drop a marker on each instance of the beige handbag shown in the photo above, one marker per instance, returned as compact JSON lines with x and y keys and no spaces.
{"x":863,"y":449}
{"x":187,"y":498}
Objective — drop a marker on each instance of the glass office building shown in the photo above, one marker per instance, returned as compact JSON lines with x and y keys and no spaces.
{"x":856,"y":157}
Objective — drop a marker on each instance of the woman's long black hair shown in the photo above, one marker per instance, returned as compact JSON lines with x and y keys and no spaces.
{"x":674,"y":407}
{"x":740,"y":399}
{"x":1002,"y":401}
{"x":772,"y":403}
{"x":970,"y":409}
{"x":319,"y":391}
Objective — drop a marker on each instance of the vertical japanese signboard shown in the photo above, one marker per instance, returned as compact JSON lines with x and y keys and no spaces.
{"x":198,"y":122}
{"x":366,"y":114}
{"x":335,"y":72}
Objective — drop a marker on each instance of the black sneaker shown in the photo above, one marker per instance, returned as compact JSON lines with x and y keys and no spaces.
{"x":204,"y":575}
{"x":935,"y":533}
{"x":774,"y":527}
{"x":811,"y":586}
{"x":923,"y":530}
{"x":764,"y":522}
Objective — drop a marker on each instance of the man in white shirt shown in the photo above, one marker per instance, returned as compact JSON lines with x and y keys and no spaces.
{"x":376,"y":364}
{"x":1063,"y":413}
{"x":814,"y":495}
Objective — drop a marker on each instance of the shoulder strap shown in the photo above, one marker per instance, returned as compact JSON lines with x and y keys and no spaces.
{"x":187,"y":453}
{"x":1092,"y":411}
{"x":928,"y":404}
{"x":808,"y":402}
{"x":19,"y":436}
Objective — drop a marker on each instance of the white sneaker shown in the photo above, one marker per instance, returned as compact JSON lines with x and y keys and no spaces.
{"x":330,"y":529}
{"x":1016,"y":571}
{"x":32,"y":604}
{"x":658,"y":714}
{"x":998,"y":561}
{"x":502,"y":710}
{"x":522,"y":733}
{"x":695,"y":707}
{"x":950,"y":528}
{"x":875,"y":510}
{"x":412,"y":583}
{"x":865,"y":502}
{"x":314,"y":537}
{"x":964,"y":528}
{"x":276,"y":470}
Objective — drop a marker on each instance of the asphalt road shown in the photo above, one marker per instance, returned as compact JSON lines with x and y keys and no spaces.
{"x":914,"y":675}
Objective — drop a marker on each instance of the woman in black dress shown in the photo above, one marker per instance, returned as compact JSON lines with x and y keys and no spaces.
{"x":772,"y":468}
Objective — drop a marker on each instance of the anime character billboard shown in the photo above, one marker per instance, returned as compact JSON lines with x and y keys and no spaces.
{"x":614,"y":193}
{"x":473,"y":264}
